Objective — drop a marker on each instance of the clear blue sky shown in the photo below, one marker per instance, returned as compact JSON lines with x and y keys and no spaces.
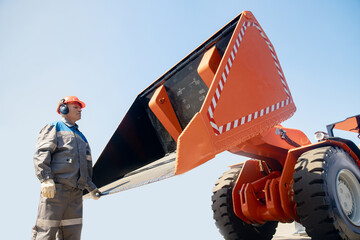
{"x":106,"y":52}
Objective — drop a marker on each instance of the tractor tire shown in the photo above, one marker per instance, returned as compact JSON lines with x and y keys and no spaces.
{"x":229,"y":225}
{"x":327,"y":193}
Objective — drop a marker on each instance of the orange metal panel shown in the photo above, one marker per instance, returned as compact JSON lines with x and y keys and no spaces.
{"x":273,"y":137}
{"x":194,"y":145}
{"x":273,"y":202}
{"x":350,"y":124}
{"x":248,"y":95}
{"x":161,"y":106}
{"x":269,"y":146}
{"x":251,"y":171}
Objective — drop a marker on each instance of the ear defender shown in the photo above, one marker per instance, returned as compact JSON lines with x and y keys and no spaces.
{"x":63,"y":109}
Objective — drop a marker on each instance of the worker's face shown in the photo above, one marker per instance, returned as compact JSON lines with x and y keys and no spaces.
{"x":74,"y":112}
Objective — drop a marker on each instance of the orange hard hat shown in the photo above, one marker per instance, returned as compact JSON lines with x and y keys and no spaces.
{"x":69,"y":99}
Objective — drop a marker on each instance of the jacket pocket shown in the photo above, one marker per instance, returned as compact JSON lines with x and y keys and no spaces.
{"x":62,"y":165}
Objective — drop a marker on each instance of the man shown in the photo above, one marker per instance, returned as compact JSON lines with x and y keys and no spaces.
{"x":63,"y":165}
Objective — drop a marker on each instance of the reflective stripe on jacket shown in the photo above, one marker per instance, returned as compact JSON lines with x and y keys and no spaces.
{"x":63,"y":154}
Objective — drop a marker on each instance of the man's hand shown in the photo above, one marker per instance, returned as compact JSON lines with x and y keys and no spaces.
{"x":95,"y":194}
{"x":48,"y":189}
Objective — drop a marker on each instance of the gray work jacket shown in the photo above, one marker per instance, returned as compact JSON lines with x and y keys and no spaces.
{"x":63,"y":154}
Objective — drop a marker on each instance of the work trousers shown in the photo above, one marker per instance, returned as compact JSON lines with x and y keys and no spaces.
{"x":60,"y":217}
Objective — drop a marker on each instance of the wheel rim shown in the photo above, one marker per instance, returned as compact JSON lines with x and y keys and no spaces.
{"x":348,"y":193}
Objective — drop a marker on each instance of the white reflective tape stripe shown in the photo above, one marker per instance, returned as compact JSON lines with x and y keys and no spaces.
{"x":88,"y":157}
{"x":271,"y":49}
{"x":273,"y":55}
{"x":277,"y":65}
{"x":236,"y":123}
{"x":267,"y":110}
{"x":69,"y":222}
{"x":287,"y":92}
{"x":228,"y":126}
{"x":280,"y":75}
{"x":263,"y":35}
{"x":210,"y":112}
{"x":230,"y":63}
{"x":237,"y":43}
{"x":232,"y":55}
{"x":235,"y":48}
{"x":220,"y":129}
{"x":227,"y":69}
{"x":214,"y":125}
{"x":224,"y":77}
{"x":214,"y":102}
{"x":47,"y":223}
{"x":217,"y":93}
{"x":221,"y":85}
{"x":242,"y":120}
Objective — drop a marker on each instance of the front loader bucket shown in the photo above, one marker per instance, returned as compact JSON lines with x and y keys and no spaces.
{"x":228,"y":90}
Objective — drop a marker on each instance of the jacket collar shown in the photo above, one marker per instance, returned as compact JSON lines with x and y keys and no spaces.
{"x":68,"y":123}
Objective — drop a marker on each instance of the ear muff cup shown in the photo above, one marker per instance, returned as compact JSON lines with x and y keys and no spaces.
{"x":63,"y":109}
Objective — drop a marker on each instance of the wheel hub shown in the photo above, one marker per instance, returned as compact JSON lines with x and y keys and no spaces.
{"x":345,"y":197}
{"x":348,"y":193}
